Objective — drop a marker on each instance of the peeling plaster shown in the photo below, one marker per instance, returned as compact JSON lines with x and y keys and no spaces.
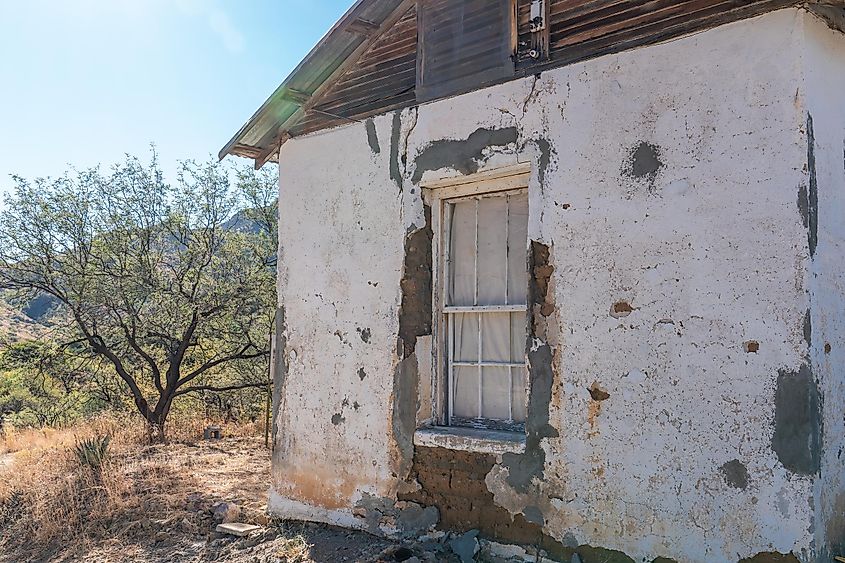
{"x":813,"y":192}
{"x":701,"y":262}
{"x":771,"y":557}
{"x":395,"y":132}
{"x":735,"y":473}
{"x":415,"y":316}
{"x":365,"y":334}
{"x":644,"y":161}
{"x":408,"y":519}
{"x":525,"y":467}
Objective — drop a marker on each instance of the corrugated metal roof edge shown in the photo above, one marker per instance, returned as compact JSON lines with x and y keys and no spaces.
{"x":277,"y":101}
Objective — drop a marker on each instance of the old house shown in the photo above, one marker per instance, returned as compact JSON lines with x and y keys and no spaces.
{"x":568,"y":273}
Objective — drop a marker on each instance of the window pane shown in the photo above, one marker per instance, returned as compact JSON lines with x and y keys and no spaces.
{"x":495,"y":393}
{"x":462,"y":254}
{"x":495,"y":335}
{"x":465,"y":392}
{"x":488,"y":239}
{"x":517,"y":248}
{"x":466,"y":336}
{"x":519,"y":393}
{"x":518,"y":336}
{"x":492,"y":250}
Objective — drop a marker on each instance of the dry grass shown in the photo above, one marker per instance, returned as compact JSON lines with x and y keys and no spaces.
{"x":34,"y":439}
{"x":295,"y":549}
{"x":126,"y":430}
{"x":152,"y":503}
{"x":49,"y":500}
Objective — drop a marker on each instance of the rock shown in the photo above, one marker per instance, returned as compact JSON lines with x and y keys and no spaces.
{"x":575,"y":558}
{"x":195,"y":502}
{"x":226,"y":512}
{"x":465,"y":546}
{"x":436,"y":535}
{"x":237,"y":529}
{"x":396,"y":553}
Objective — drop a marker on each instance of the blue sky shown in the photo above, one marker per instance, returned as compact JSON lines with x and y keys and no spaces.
{"x":85,"y":81}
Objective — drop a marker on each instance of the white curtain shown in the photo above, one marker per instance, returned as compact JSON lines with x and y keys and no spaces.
{"x":489,"y":236}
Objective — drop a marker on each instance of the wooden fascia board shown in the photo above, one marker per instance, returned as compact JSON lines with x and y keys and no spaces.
{"x":295,"y":96}
{"x":280,"y":135}
{"x":350,"y":15}
{"x":364,"y":27}
{"x":267,"y":154}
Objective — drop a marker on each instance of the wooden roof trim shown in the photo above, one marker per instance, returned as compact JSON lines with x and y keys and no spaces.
{"x":332,"y":84}
{"x":364,"y":27}
{"x":277,"y":134}
{"x":279,"y":92}
{"x":282,"y":135}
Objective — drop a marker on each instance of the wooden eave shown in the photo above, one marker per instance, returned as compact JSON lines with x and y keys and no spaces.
{"x":365,"y":65}
{"x":338,"y":49}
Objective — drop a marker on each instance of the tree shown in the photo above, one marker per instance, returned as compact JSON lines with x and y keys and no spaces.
{"x":152,"y":280}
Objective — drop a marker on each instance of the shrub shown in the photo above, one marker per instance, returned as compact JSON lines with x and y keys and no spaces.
{"x":92,"y":452}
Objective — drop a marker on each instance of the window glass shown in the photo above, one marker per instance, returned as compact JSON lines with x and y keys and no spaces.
{"x":487,"y":287}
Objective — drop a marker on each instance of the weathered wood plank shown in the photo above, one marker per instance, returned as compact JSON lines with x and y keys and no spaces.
{"x":386,"y":72}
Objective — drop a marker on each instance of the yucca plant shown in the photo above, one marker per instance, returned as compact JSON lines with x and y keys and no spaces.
{"x":92,"y":452}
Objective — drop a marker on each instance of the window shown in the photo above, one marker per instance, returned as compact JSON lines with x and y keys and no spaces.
{"x":484,"y":307}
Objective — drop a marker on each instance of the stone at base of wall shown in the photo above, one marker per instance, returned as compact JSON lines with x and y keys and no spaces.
{"x":490,"y":550}
{"x":500,"y":552}
{"x":295,"y":510}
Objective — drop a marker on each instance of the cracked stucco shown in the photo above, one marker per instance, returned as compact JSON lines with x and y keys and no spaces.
{"x":701,"y":239}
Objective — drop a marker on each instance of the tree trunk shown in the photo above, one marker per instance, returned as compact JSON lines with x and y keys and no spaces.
{"x":156,"y":420}
{"x":155,"y":428}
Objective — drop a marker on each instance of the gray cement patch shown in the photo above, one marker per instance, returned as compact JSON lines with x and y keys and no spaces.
{"x":797,"y":435}
{"x":463,"y":156}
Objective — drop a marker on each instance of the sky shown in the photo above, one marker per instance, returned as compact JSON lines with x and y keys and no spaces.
{"x":84,"y":82}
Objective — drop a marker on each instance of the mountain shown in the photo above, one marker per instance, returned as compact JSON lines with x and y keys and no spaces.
{"x":16,"y":326}
{"x":29,"y":319}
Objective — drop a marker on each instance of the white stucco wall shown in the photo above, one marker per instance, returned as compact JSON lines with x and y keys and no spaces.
{"x":341,"y":247}
{"x":710,"y":250}
{"x":824,"y":64}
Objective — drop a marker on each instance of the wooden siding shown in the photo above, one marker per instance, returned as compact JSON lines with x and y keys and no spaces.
{"x":383,"y":79}
{"x":584,"y":29}
{"x":464,"y":44}
{"x":461,"y":42}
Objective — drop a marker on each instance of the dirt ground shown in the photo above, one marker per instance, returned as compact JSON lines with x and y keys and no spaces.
{"x":178,"y":486}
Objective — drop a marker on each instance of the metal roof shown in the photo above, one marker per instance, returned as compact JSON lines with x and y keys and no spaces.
{"x":342,"y":45}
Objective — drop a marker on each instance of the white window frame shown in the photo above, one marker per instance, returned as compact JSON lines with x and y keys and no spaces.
{"x":439,"y":194}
